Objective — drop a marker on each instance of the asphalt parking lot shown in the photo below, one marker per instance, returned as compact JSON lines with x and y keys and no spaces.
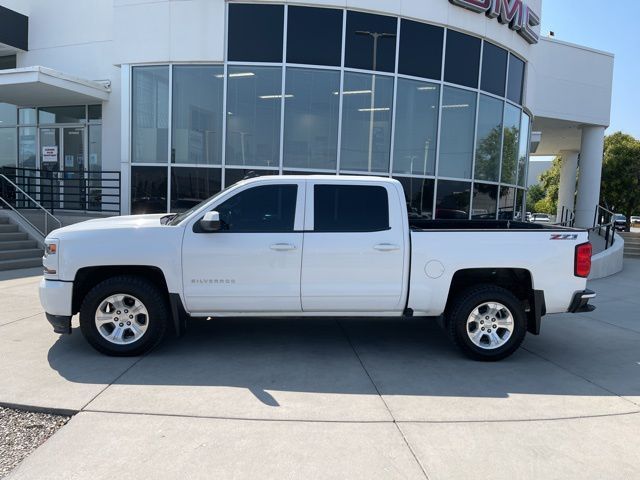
{"x":324,"y":398}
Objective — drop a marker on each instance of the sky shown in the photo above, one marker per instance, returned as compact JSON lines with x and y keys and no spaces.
{"x":612,"y":26}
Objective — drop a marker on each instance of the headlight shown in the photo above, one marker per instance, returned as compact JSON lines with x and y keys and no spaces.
{"x":51,"y":249}
{"x":50,"y":259}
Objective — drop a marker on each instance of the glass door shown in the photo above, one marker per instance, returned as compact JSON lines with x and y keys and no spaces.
{"x":73,"y":187}
{"x":49,"y":167}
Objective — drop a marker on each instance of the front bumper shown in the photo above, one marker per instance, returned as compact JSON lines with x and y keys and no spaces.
{"x":55,"y":297}
{"x":580,"y":302}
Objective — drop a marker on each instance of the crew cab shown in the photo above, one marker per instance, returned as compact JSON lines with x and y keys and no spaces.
{"x":310,"y":246}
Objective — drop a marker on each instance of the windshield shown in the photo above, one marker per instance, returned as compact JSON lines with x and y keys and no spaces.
{"x":179,"y":217}
{"x":620,"y":217}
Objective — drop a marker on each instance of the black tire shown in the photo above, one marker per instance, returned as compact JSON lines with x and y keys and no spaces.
{"x":462,"y":307}
{"x":153,"y":300}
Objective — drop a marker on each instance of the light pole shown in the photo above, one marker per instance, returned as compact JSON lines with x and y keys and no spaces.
{"x":376,"y":36}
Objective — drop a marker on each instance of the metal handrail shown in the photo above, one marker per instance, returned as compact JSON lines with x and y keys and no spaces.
{"x":608,"y":226}
{"x":47,"y":212}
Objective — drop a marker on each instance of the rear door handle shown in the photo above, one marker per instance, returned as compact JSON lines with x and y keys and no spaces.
{"x":386,"y":247}
{"x":282,"y":247}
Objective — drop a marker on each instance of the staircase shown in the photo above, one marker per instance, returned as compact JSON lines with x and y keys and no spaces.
{"x":631,"y":244}
{"x":17,"y":250}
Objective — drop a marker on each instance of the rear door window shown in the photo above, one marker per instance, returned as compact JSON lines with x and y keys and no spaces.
{"x":350,"y":208}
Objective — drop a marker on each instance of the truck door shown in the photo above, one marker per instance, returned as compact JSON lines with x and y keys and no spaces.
{"x":253,"y":263}
{"x":354,"y":248}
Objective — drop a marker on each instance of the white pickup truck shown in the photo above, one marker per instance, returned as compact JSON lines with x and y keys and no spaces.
{"x":309,"y":246}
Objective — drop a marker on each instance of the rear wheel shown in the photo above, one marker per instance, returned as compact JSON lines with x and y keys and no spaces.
{"x":124,"y":316}
{"x":487,"y":322}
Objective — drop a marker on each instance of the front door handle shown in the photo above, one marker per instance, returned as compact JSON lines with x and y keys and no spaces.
{"x":282,"y":247}
{"x":386,"y":247}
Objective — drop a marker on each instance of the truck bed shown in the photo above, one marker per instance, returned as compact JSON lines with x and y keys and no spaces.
{"x":418,"y":224}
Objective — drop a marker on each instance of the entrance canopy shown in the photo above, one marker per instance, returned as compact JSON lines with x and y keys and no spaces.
{"x":42,"y":87}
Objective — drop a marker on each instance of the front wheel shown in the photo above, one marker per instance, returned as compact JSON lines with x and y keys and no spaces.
{"x":124,"y":316}
{"x":487,"y":322}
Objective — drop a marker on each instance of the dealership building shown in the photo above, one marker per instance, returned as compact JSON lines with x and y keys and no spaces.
{"x":134,"y":106}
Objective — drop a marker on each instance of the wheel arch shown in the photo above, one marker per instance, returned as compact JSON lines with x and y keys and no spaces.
{"x":518,"y":281}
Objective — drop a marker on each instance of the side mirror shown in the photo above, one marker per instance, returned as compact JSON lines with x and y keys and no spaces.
{"x":211,"y":222}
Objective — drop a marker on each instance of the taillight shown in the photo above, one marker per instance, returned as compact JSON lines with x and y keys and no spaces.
{"x":582,"y":264}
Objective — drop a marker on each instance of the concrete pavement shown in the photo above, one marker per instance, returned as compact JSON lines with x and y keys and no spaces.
{"x":334,"y":399}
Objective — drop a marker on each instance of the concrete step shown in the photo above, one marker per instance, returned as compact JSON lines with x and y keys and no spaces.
{"x":20,"y":263}
{"x":17,"y":245}
{"x":8,"y":228}
{"x":628,"y":249}
{"x":22,"y":253}
{"x":6,"y":237}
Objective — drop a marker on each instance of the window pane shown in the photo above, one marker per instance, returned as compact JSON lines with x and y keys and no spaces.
{"x":366,"y":122}
{"x":489,"y":139}
{"x":516,"y":79}
{"x":255,"y":33}
{"x":253,"y":115}
{"x":418,"y":193}
{"x":7,"y":62}
{"x":191,"y":185}
{"x":519,"y":204}
{"x":27,"y":147}
{"x":95,"y":147}
{"x":420,"y":49}
{"x":523,"y":153}
{"x":416,"y":127}
{"x":350,"y":208}
{"x":150,"y":114}
{"x":494,"y":69}
{"x":267,"y":208}
{"x":462,"y":62}
{"x":456,"y":138}
{"x":74,"y":114}
{"x":27,"y":116}
{"x":485,"y":201}
{"x":95,"y":112}
{"x":371,"y":42}
{"x":148,"y":190}
{"x":197,"y":114}
{"x":510,"y":145}
{"x":8,"y":147}
{"x":452,"y":200}
{"x":314,"y":36}
{"x":234,"y":175}
{"x":507,"y":200}
{"x":311,"y":118}
{"x":8,"y":115}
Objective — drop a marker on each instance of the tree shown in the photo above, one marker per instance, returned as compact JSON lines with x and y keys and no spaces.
{"x":534,"y":195}
{"x":620,"y":190}
{"x":543,"y":197}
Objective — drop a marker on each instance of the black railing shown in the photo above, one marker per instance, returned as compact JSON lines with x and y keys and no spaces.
{"x":88,"y":191}
{"x":604,"y":220}
{"x":567,"y":218}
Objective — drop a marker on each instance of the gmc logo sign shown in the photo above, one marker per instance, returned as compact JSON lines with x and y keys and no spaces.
{"x":515,"y":13}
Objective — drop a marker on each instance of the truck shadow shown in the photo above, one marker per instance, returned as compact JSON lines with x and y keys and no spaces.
{"x":394,"y":357}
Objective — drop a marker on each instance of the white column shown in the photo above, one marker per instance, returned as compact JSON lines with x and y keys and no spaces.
{"x":125,"y":139}
{"x":589,"y":176}
{"x":568,"y":174}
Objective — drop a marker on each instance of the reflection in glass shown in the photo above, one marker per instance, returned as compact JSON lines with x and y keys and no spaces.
{"x":148,"y":190}
{"x":8,"y":115}
{"x":507,"y":202}
{"x":27,"y":116}
{"x":75,"y":114}
{"x":510,"y":144}
{"x":314,"y":36}
{"x":523,"y":151}
{"x":150,"y":114}
{"x":519,"y":205}
{"x":462,"y":61}
{"x":311,"y":118}
{"x":255,"y":32}
{"x":197,"y":114}
{"x":234,"y":175}
{"x":253,"y":115}
{"x":489,"y":139}
{"x":494,"y":69}
{"x":191,"y":185}
{"x":8,"y":147}
{"x":366,"y":122}
{"x":452,"y":199}
{"x":420,"y":49}
{"x":516,"y":79}
{"x":370,"y":42}
{"x":457,"y":132}
{"x":27,"y":147}
{"x":418,"y":193}
{"x":96,"y":186}
{"x":485,"y":201}
{"x":416,"y":127}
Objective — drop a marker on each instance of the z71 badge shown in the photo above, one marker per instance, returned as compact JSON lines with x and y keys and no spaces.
{"x":564,"y":236}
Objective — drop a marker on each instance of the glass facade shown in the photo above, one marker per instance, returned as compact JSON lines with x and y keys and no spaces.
{"x":327,"y":90}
